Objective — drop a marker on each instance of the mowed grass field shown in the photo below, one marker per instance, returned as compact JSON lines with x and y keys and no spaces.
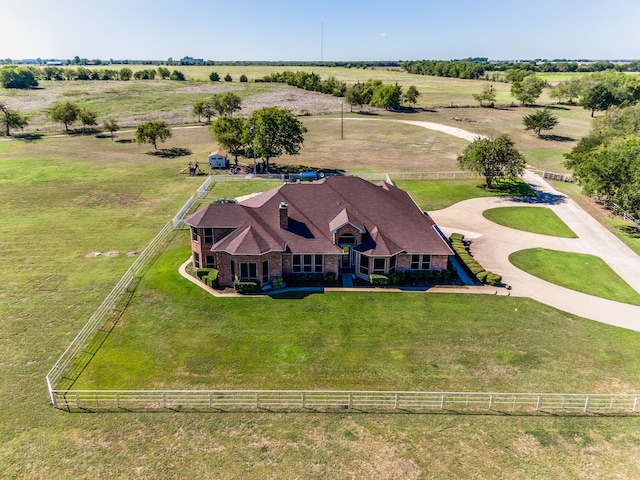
{"x":64,"y":198}
{"x":177,"y":336}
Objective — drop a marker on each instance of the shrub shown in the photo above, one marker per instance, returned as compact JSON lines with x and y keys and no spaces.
{"x":245,"y":287}
{"x":482,"y":276}
{"x":243,"y":78}
{"x":378,"y":280}
{"x":456,"y":236}
{"x":494,"y":279}
{"x":394,"y":279}
{"x":277,"y":283}
{"x":203,"y":272}
{"x":211,"y":279}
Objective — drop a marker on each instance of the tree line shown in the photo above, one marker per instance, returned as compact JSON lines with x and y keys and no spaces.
{"x":481,"y":68}
{"x":28,"y":77}
{"x":372,"y":92}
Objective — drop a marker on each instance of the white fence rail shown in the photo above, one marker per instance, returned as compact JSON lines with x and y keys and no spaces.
{"x":339,"y":401}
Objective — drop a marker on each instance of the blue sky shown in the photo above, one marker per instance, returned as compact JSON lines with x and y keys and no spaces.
{"x":320,"y":29}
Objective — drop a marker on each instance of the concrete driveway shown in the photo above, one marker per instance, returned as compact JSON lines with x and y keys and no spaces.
{"x":493,"y":243}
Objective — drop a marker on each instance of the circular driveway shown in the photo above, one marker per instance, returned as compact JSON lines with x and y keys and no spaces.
{"x":493,"y":243}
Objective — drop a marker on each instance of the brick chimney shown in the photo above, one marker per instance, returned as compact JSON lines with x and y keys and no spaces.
{"x":284,"y":215}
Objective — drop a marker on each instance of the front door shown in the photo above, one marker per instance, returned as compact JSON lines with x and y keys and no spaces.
{"x":345,"y":261}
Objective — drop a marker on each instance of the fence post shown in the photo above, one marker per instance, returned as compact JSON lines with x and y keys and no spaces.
{"x":490,"y":400}
{"x":51,"y":396}
{"x":538,"y":404}
{"x":442,"y":401}
{"x":349,"y":401}
{"x":586,"y":404}
{"x":117,"y":400}
{"x":635,"y":404}
{"x":302,"y":395}
{"x":395,"y":403}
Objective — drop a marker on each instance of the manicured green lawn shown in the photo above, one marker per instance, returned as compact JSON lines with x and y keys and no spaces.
{"x":176,"y":335}
{"x":530,"y":219}
{"x":577,"y":271}
{"x":439,"y":194}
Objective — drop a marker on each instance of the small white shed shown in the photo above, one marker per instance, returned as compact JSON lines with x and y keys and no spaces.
{"x":218,"y":159}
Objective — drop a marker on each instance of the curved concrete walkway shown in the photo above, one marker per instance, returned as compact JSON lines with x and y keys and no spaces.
{"x":493,"y":243}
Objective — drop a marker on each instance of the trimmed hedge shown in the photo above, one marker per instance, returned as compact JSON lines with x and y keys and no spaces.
{"x":378,"y":280}
{"x":246,"y":287}
{"x":457,"y":245}
{"x":310,"y":279}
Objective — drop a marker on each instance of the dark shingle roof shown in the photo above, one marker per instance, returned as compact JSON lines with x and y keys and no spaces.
{"x":392,"y":220}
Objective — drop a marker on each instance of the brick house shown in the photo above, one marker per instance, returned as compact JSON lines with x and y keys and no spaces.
{"x":340,"y":224}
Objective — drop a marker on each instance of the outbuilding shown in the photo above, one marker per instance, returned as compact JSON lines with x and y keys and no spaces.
{"x":218,"y":159}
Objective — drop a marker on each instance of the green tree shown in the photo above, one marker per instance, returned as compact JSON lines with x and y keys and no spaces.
{"x":228,"y":131}
{"x":571,"y":90}
{"x":487,"y":95}
{"x":64,"y":112}
{"x":354,"y":95}
{"x":214,"y":77}
{"x":598,"y":97}
{"x":492,"y":158}
{"x":125,"y":74}
{"x":227,"y":78}
{"x":152,"y":132}
{"x":612,"y":171}
{"x":226,"y":103}
{"x":198,"y":109}
{"x":272,"y":131}
{"x":164,"y":72}
{"x":243,"y":78}
{"x":177,"y":75}
{"x":11,"y":119}
{"x":387,"y":97}
{"x":111,"y":126}
{"x":18,"y":77}
{"x":528,"y":90}
{"x":88,"y":118}
{"x":411,"y":95}
{"x":540,"y":120}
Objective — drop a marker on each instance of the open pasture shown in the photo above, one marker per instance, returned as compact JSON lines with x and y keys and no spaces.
{"x":64,"y":198}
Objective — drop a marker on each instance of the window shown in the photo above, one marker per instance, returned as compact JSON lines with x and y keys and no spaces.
{"x":347,"y":239}
{"x":378,"y":266}
{"x":233,"y":271}
{"x":210,"y":261}
{"x":265,"y":271}
{"x":196,"y":259}
{"x":248,"y":272}
{"x":420,"y":262}
{"x":307,"y":264}
{"x":208,"y":236}
{"x":392,"y":265}
{"x":364,"y":265}
{"x":194,"y":234}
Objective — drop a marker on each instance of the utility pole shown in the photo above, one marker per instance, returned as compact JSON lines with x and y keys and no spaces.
{"x":253,"y":146}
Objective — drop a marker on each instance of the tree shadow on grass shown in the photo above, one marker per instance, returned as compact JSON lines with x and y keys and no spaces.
{"x":556,"y":138}
{"x":124,"y":140}
{"x":510,"y":187}
{"x":28,"y":137}
{"x":297,"y":294}
{"x":174,"y":152}
{"x":632,"y":231}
